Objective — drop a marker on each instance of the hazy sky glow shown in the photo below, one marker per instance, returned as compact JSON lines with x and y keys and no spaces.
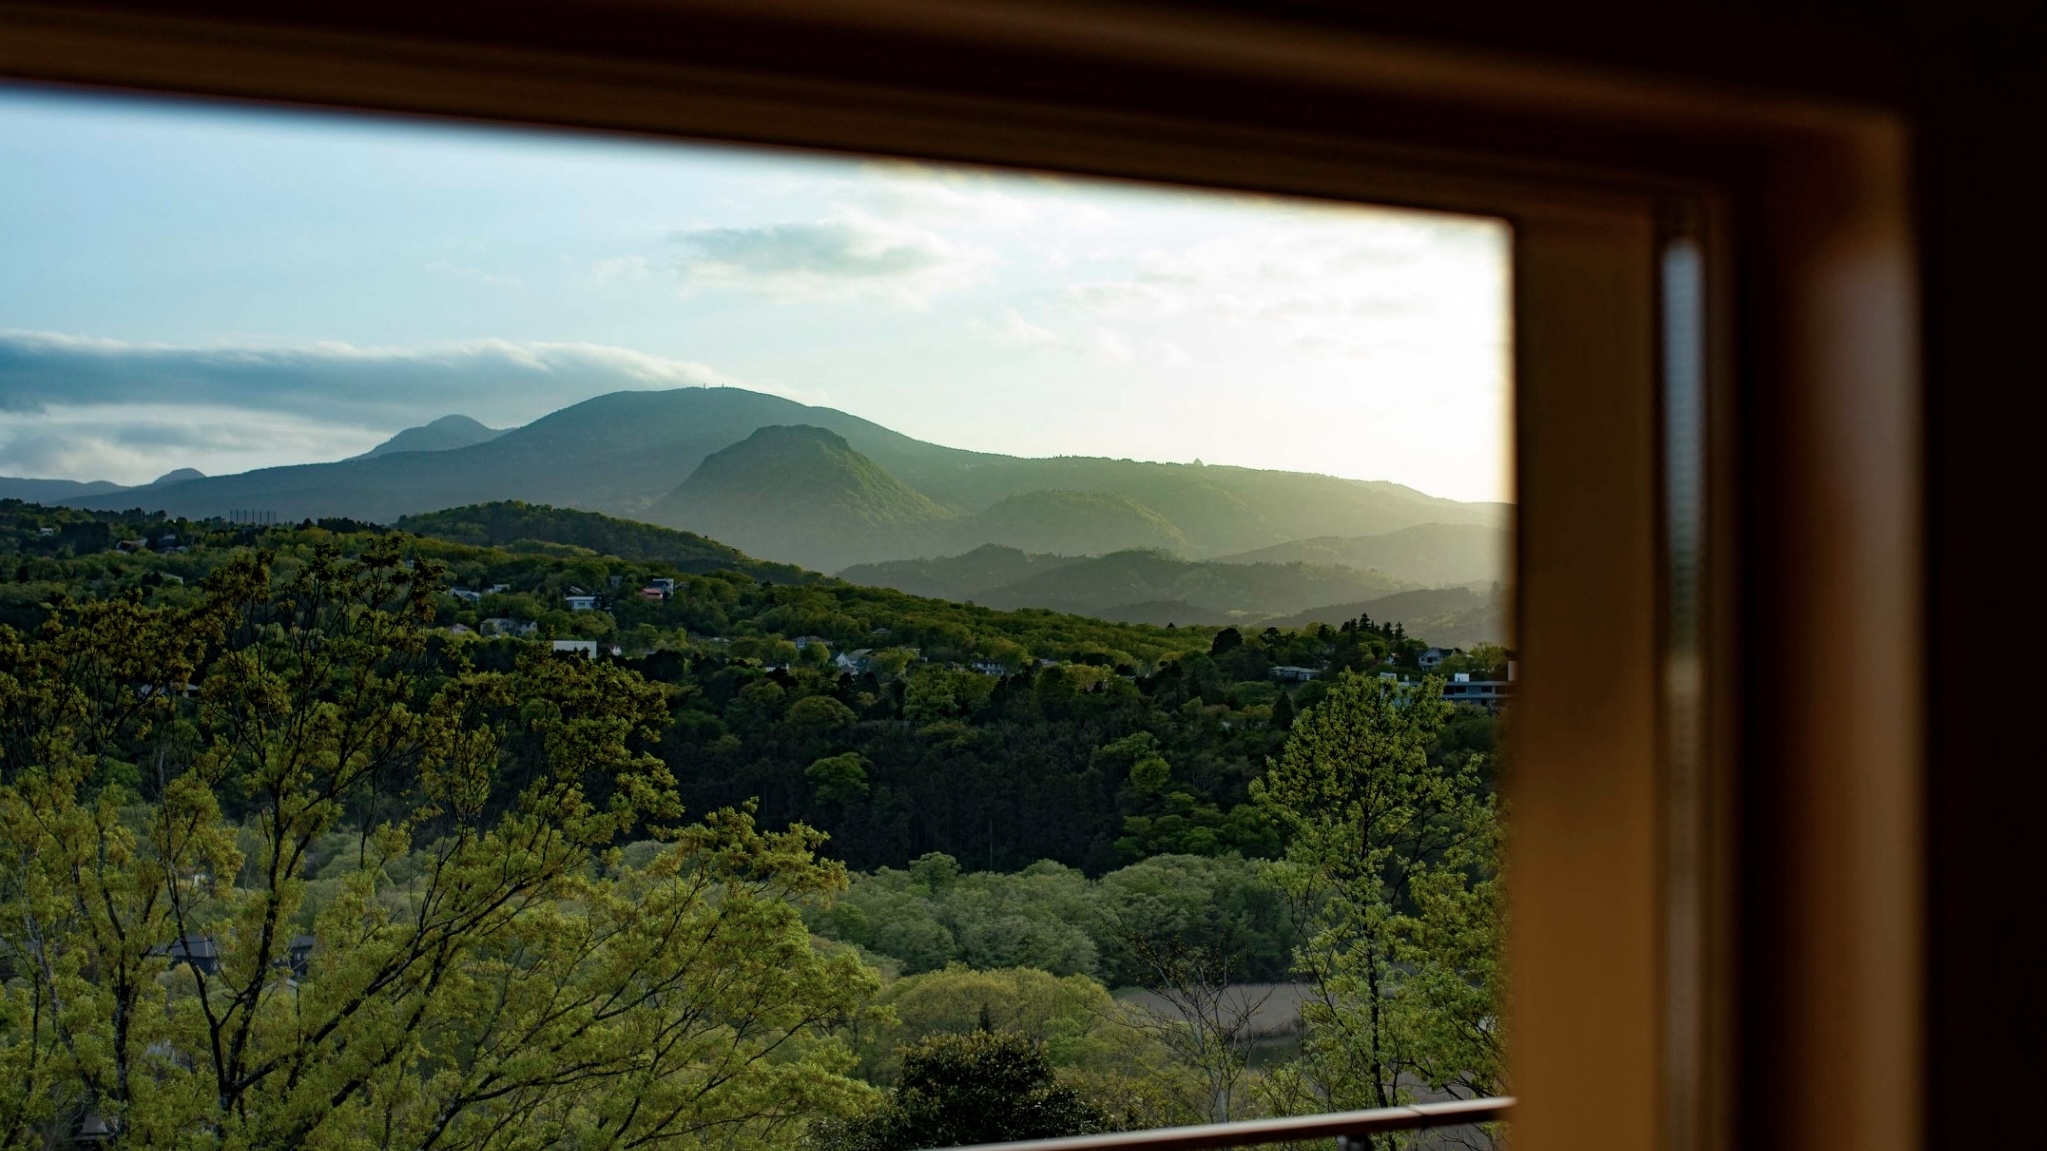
{"x":188,"y":286}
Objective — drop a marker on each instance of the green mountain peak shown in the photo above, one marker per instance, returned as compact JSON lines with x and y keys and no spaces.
{"x":800,"y":493}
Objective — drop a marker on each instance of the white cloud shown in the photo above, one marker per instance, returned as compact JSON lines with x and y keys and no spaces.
{"x":85,"y":408}
{"x":508,"y":381}
{"x":843,"y":256}
{"x":134,"y":444}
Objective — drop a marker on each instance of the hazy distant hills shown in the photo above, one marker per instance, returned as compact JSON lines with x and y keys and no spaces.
{"x":444,"y":434}
{"x":1067,"y":523}
{"x":64,"y":491}
{"x":1430,"y":554}
{"x":961,"y":577}
{"x":629,"y":452}
{"x":1147,"y":584}
{"x":1447,"y":617}
{"x":1133,"y":587}
{"x":53,"y":491}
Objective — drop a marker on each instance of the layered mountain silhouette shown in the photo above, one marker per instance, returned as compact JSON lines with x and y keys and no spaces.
{"x":794,"y":484}
{"x":1059,"y":522}
{"x":1449,"y":617}
{"x":963,"y":577}
{"x":1429,"y":554}
{"x":53,"y":491}
{"x":1168,"y":590}
{"x":444,"y":434}
{"x":60,"y":491}
{"x":627,"y":452}
{"x":802,"y":493}
{"x":1130,"y":586}
{"x":1325,"y":580}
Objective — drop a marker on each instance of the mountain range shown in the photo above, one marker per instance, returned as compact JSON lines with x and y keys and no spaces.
{"x":439,"y":436}
{"x":812,"y":486}
{"x":1130,"y":586}
{"x":63,"y":491}
{"x":632,"y":453}
{"x":1126,"y":587}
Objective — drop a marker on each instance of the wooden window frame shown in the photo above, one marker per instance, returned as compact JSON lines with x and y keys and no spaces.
{"x":1716,"y":840}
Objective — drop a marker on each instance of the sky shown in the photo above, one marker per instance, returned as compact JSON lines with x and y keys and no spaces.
{"x":194,"y":285}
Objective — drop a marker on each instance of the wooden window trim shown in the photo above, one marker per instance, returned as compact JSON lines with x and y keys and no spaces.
{"x":1794,"y":855}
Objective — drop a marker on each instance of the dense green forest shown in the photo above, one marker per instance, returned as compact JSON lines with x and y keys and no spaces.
{"x":999,"y":738}
{"x":794,"y":861}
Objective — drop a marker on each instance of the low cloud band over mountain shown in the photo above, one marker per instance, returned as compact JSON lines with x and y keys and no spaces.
{"x":108,"y":408}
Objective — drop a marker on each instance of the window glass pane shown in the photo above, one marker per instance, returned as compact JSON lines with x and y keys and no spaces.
{"x":518,"y":638}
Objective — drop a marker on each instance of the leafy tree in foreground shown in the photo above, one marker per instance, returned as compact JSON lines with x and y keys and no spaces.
{"x":959,"y":1090}
{"x":1390,"y":869}
{"x":485,"y":974}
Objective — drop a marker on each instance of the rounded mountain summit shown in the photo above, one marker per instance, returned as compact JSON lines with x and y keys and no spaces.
{"x":802,"y":492}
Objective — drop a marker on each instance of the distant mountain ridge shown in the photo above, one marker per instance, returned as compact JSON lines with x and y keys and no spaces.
{"x":1447,"y":617}
{"x":1433,"y":553}
{"x":444,"y":434}
{"x":632,"y":454}
{"x":961,"y":577}
{"x":64,"y":491}
{"x":1063,"y":522}
{"x":1130,"y":586}
{"x":37,"y":491}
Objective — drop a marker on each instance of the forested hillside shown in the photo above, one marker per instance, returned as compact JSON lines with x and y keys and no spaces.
{"x":872,"y":862}
{"x":998,"y":737}
{"x":526,"y":527}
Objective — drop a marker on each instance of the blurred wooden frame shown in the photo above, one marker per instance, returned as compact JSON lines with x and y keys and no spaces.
{"x":1715,"y":876}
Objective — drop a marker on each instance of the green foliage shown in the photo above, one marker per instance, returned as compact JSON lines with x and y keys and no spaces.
{"x":821,"y":711}
{"x":1390,"y":871}
{"x":1072,"y":1018}
{"x":971,"y":747}
{"x":205,"y":742}
{"x":507,"y":523}
{"x":476,"y":977}
{"x":932,"y":916}
{"x":982,"y":1087}
{"x":838,"y":778}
